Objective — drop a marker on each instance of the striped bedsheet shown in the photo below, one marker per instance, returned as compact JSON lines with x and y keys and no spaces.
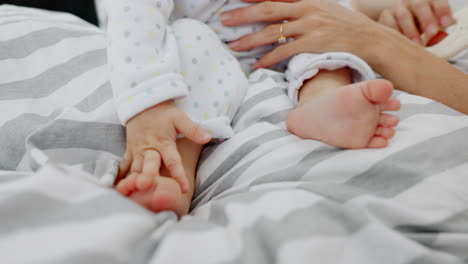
{"x":263,"y":196}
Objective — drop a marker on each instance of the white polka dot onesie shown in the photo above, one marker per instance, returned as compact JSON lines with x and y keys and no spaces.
{"x":163,"y":50}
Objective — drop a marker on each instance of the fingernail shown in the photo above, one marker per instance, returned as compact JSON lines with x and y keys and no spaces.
{"x":432,"y":29}
{"x":234,"y":44}
{"x":417,"y":40}
{"x":225,"y":17}
{"x":445,"y":21}
{"x":206,"y":137}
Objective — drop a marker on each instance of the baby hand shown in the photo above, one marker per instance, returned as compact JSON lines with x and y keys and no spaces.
{"x":416,"y":17}
{"x":151,"y":138}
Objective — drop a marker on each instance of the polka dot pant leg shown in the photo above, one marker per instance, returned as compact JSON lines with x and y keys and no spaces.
{"x":214,"y":77}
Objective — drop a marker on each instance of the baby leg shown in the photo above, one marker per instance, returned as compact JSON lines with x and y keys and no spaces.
{"x":216,"y":82}
{"x":333,"y":110}
{"x":217,"y":86}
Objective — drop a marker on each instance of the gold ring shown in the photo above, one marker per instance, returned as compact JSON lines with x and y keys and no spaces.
{"x":282,"y":39}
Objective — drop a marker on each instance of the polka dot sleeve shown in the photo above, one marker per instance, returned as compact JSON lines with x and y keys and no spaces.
{"x":143,"y":55}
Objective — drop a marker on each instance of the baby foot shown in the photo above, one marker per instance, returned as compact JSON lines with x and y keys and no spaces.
{"x":348,"y":117}
{"x":164,"y":195}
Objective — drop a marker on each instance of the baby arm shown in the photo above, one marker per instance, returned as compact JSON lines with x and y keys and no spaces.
{"x":322,"y":81}
{"x":145,"y":75}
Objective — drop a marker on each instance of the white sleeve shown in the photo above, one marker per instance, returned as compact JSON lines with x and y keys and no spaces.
{"x":306,"y":65}
{"x":143,"y":55}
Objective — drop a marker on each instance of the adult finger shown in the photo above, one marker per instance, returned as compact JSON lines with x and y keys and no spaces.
{"x":261,"y":12}
{"x":267,"y":35}
{"x":406,"y":22}
{"x":425,"y":17}
{"x":173,"y":162}
{"x":443,"y":12}
{"x":386,"y":18}
{"x":191,"y":130}
{"x":124,"y":165}
{"x":438,"y":38}
{"x":151,"y":167}
{"x":279,"y":54}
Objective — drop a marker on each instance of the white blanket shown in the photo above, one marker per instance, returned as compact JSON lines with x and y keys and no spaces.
{"x":264,"y":196}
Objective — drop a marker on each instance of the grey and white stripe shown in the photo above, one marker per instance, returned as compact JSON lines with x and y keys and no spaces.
{"x":263,"y":196}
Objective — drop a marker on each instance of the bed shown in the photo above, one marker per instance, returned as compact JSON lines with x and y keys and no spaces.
{"x":263,"y":196}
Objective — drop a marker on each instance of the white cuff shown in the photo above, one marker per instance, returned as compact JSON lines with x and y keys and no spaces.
{"x":305,"y":66}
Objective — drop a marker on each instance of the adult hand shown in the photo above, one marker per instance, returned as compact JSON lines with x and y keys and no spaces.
{"x":317,"y":26}
{"x":323,"y":26}
{"x":151,"y":138}
{"x":416,"y":17}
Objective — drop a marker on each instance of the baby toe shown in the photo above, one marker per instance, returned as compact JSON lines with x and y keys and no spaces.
{"x":144,"y":182}
{"x":393,"y":104}
{"x":387,"y":120}
{"x":378,"y":142}
{"x":385,"y":132}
